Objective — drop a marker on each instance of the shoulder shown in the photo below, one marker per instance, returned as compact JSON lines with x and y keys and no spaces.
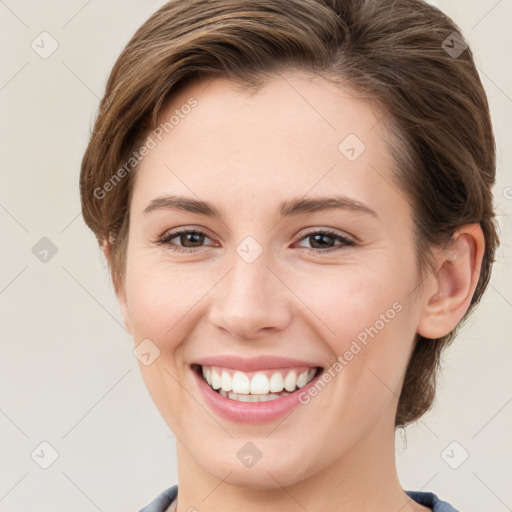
{"x":431,"y":500}
{"x":162,"y":501}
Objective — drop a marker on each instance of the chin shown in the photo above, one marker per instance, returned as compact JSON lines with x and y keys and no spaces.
{"x":273,"y":473}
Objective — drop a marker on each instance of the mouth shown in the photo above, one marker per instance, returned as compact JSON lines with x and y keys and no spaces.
{"x":256,"y":386}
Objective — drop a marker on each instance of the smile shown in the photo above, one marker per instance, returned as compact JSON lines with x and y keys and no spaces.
{"x":256,"y":386}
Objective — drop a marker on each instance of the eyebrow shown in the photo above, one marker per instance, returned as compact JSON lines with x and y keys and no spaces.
{"x":297,"y":206}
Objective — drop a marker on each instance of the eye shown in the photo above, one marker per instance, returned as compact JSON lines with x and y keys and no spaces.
{"x":188,"y":236}
{"x":320,"y":241}
{"x":193,"y":239}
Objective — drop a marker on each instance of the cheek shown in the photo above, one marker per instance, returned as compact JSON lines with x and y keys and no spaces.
{"x":352,"y":302}
{"x":368,"y":319}
{"x":159,"y":299}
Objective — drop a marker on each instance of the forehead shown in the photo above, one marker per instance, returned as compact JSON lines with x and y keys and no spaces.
{"x":298,"y":134}
{"x":292,"y":102}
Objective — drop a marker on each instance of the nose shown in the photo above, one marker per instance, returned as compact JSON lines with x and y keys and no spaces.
{"x":252,"y":301}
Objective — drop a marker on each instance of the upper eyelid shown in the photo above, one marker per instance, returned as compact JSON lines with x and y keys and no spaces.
{"x":302,"y":234}
{"x":331,"y":231}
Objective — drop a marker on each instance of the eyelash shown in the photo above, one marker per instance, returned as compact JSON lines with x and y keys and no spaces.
{"x":166,"y":238}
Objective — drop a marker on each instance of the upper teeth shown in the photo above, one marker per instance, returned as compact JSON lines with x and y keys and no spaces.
{"x":259,"y":383}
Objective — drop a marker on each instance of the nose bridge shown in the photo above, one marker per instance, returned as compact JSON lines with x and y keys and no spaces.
{"x":251,"y":299}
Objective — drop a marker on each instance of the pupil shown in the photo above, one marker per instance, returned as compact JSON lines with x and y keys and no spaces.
{"x":196,"y":237}
{"x":318,"y":239}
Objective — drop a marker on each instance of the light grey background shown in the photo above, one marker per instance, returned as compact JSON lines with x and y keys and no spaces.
{"x":67,"y":373}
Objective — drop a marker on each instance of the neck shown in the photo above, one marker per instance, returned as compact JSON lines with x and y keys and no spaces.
{"x":364,"y":478}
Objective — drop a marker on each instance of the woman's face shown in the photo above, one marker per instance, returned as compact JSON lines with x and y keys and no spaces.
{"x":261,"y":289}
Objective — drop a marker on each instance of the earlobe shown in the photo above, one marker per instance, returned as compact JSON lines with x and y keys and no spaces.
{"x":119,"y":289}
{"x":454,"y":282}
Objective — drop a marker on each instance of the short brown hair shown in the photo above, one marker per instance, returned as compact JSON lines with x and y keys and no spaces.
{"x":394,"y":52}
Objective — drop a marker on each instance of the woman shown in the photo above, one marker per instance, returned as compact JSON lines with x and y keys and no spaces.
{"x":295,"y":202}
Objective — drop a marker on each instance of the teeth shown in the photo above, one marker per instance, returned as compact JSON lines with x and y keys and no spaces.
{"x":241,"y":383}
{"x":207,"y":374}
{"x":302,"y":379}
{"x":252,"y":398}
{"x":241,"y":386}
{"x":290,"y":381}
{"x":226,"y":382}
{"x":276,"y":383}
{"x":215,"y":380}
{"x":259,"y":385}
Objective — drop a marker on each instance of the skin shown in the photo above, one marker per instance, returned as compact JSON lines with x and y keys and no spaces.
{"x":245,"y":154}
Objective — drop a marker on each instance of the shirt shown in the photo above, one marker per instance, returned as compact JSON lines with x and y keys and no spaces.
{"x":162,"y":502}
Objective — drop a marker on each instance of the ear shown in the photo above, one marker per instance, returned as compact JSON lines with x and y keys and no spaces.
{"x":453,"y":283}
{"x":119,"y":290}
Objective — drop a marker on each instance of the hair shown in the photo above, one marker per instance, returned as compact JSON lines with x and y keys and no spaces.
{"x":390,"y":51}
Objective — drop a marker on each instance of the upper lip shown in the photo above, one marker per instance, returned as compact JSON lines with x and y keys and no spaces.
{"x":264,"y":362}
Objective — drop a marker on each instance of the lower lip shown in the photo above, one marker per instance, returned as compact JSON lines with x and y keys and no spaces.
{"x":250,"y":412}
